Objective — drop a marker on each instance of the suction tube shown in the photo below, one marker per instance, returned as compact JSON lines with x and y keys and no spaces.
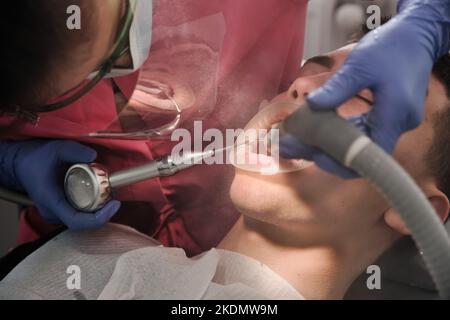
{"x":355,"y":150}
{"x":15,"y":197}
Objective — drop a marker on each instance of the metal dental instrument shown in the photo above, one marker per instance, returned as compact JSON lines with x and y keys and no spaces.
{"x":89,"y":186}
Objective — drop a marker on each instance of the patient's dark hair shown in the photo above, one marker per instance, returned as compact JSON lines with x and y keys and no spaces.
{"x":438,"y":156}
{"x":35,"y":39}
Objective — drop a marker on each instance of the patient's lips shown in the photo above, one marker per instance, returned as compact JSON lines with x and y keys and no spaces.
{"x":257,"y":147}
{"x":260,"y":159}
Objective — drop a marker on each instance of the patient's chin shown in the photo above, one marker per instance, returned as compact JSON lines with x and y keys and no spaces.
{"x":248,"y":197}
{"x":289,"y":201}
{"x":266,"y":200}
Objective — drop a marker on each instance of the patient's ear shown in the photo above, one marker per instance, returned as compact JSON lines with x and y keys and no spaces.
{"x":437,"y":199}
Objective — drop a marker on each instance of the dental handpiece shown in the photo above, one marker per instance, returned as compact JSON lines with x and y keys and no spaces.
{"x":89,"y":186}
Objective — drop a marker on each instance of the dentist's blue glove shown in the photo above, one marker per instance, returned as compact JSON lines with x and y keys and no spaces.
{"x":395,"y":62}
{"x":37,"y":167}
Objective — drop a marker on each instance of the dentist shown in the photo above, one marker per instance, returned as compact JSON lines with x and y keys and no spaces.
{"x":78,"y":81}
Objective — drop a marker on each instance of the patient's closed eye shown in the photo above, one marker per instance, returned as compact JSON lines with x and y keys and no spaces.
{"x":364,"y":99}
{"x":324,"y":61}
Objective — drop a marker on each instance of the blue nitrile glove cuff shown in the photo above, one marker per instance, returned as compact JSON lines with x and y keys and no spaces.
{"x":435,"y":15}
{"x":8,"y":154}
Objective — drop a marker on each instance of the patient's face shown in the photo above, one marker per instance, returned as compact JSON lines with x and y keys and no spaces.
{"x":314,"y":201}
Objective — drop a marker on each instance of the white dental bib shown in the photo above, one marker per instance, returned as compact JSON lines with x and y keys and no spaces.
{"x":117,"y":262}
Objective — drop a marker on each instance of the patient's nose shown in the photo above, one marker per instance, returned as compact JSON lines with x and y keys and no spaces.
{"x":304,"y":86}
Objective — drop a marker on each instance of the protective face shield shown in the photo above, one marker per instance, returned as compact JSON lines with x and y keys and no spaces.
{"x":178,"y":83}
{"x":140,"y":38}
{"x":193,"y":71}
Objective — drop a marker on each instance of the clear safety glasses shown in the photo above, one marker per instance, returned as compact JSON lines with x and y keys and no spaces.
{"x":31,"y":114}
{"x":177,"y":85}
{"x":145,"y":93}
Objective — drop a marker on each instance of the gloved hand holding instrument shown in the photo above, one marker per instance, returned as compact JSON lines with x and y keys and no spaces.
{"x":395,"y":63}
{"x":37,"y":168}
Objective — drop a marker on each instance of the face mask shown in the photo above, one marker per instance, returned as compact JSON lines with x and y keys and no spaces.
{"x":140,"y":38}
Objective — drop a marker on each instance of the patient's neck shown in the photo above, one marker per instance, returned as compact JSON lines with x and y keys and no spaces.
{"x":316,"y":271}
